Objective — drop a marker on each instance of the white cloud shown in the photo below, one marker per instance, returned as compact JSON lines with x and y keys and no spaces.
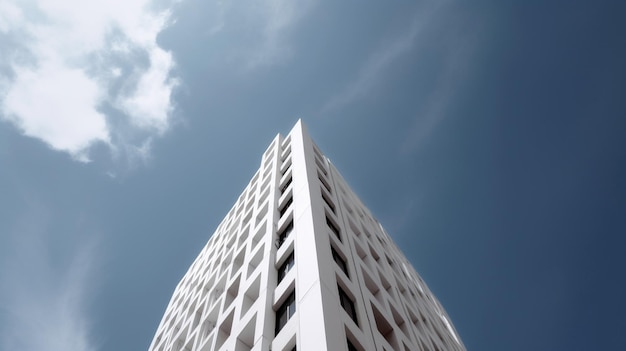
{"x":66,"y":62}
{"x":9,"y":15}
{"x":44,"y":297}
{"x":150,"y":103}
{"x":65,"y":119}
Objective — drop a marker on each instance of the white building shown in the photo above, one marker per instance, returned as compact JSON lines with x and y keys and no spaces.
{"x":300,"y":263}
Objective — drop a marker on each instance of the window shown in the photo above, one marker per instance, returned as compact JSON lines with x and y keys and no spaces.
{"x":282,"y":236}
{"x":285,"y":311}
{"x":328,"y":202}
{"x":323,"y":181}
{"x":320,"y":166}
{"x":347,"y":304}
{"x":285,"y":167}
{"x":287,"y":183}
{"x":333,"y":227}
{"x":317,"y":151}
{"x":285,"y":267}
{"x":285,"y":153}
{"x":286,"y":206}
{"x":340,"y":261}
{"x":351,"y":347}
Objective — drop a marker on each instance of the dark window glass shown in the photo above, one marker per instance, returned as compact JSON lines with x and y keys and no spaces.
{"x":328,"y":203}
{"x":285,"y":267}
{"x":285,"y":311}
{"x":286,"y":168}
{"x":347,"y":304}
{"x":351,"y":347}
{"x":284,"y":234}
{"x":320,"y":166}
{"x":333,"y":227}
{"x":286,"y":206}
{"x":285,"y":153}
{"x":287,"y":183}
{"x":339,"y":260}
{"x":323,"y":181}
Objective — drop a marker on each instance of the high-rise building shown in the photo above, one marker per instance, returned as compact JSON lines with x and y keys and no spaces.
{"x":300,"y":263}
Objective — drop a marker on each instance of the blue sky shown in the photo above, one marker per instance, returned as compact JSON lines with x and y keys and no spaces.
{"x":487,"y":137}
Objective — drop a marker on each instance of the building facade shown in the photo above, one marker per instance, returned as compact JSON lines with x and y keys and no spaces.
{"x":300,"y":264}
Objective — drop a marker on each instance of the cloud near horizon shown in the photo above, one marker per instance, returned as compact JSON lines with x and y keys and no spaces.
{"x":45,"y":295}
{"x":76,"y":74}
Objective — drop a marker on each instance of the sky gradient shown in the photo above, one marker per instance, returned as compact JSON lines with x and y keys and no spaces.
{"x":488,"y":138}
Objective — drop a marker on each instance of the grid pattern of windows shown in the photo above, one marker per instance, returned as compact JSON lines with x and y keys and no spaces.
{"x":216,"y":303}
{"x":241,"y":279}
{"x":404,"y":314}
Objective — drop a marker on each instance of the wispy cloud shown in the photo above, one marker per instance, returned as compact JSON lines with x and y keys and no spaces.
{"x":75,"y":74}
{"x":280,"y":16}
{"x":258,"y":31}
{"x":44,"y":294}
{"x":434,"y":109}
{"x":455,"y":66}
{"x":374,"y":67}
{"x":434,"y":25}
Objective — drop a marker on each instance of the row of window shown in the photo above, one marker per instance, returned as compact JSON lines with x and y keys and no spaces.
{"x":335,"y":230}
{"x":287,"y":309}
{"x":344,"y":298}
{"x":282,"y":209}
{"x":225,"y":236}
{"x":348,"y":305}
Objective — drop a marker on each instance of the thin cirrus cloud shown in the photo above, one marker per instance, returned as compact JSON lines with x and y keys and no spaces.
{"x":45,"y":299}
{"x":455,"y":69}
{"x":76,"y":74}
{"x":418,"y":35}
{"x":382,"y":58}
{"x":374,"y":67}
{"x":280,"y":18}
{"x":462,"y":43}
{"x":258,"y":31}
